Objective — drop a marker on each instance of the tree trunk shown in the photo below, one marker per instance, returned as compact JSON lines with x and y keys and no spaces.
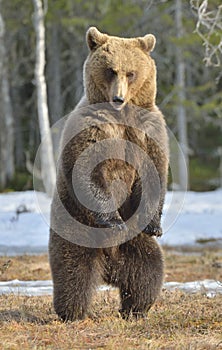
{"x":181,"y":112}
{"x":47,"y":160}
{"x":54,"y":80}
{"x":54,"y":75}
{"x":7,"y":169}
{"x":19,"y":141}
{"x":2,"y":123}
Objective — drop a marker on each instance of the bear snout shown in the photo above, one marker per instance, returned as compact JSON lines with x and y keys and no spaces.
{"x":118,"y":99}
{"x":118,"y":102}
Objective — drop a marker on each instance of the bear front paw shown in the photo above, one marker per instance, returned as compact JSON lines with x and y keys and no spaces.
{"x":114,"y":221}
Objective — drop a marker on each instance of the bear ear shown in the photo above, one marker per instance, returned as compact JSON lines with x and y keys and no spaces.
{"x":147,"y":43}
{"x":94,"y":38}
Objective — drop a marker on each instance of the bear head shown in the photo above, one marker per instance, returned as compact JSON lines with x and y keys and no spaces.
{"x":120,"y":70}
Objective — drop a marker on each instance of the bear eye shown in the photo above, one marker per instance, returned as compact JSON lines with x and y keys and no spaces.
{"x":131,"y":76}
{"x":110,"y":73}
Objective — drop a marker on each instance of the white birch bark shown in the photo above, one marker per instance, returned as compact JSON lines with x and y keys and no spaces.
{"x":47,"y":160}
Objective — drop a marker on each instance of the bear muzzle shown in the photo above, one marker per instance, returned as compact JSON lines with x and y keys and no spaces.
{"x":118,"y":102}
{"x":118,"y":99}
{"x":118,"y":92}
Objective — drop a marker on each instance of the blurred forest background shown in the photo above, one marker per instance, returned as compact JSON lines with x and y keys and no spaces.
{"x":189,"y":75}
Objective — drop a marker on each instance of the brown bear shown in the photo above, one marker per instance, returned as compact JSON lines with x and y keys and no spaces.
{"x":111,"y":182}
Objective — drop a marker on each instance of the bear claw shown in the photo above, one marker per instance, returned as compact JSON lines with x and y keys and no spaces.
{"x":112,"y":223}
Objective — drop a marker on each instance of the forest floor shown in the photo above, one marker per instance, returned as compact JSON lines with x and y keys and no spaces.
{"x":176,"y":321}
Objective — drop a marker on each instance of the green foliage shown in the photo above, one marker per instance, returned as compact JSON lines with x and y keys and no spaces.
{"x":204,"y":177}
{"x":115,"y":23}
{"x":22,"y":181}
{"x":70,"y":20}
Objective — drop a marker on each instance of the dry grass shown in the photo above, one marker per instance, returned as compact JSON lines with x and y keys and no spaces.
{"x":181,"y":266}
{"x":25,"y":268}
{"x":177,"y":320}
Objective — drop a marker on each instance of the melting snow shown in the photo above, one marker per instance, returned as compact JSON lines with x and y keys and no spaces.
{"x":38,"y":288}
{"x":187,"y":218}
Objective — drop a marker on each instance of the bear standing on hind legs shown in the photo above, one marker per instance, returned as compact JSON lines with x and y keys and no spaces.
{"x":103,"y":221}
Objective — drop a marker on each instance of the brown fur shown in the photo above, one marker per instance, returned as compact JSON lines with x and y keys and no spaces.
{"x":136,"y":266}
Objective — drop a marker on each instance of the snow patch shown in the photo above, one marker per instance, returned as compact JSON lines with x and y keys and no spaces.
{"x":209,"y":288}
{"x":200,"y":218}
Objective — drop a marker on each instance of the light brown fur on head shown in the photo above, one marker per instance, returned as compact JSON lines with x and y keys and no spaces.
{"x":119,"y":67}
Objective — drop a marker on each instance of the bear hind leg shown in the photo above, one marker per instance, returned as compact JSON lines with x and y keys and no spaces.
{"x":75,"y":276}
{"x":71,"y":307}
{"x":141,"y":276}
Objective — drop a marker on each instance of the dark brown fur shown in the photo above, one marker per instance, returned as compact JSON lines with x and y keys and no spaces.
{"x":134,"y":266}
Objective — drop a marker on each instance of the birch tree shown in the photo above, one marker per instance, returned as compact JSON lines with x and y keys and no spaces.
{"x":6,"y":116}
{"x":47,"y":160}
